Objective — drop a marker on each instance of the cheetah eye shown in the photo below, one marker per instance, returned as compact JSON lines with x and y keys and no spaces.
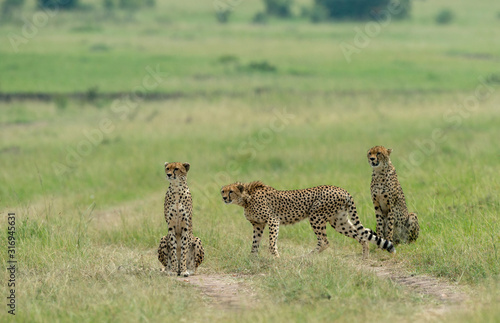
{"x":176,"y":168}
{"x":378,"y":154}
{"x":230,"y":192}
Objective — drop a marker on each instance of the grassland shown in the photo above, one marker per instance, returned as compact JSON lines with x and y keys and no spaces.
{"x":84,"y":175}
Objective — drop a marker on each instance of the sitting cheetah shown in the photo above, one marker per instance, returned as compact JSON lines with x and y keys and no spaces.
{"x":263,"y":205}
{"x":394,"y":223}
{"x":179,"y":251}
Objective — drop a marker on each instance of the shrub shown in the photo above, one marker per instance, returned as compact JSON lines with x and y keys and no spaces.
{"x":222,"y":15}
{"x":61,"y":101}
{"x":108,"y":4}
{"x":130,"y":4}
{"x":318,"y":14}
{"x":9,"y":6}
{"x":444,"y":17}
{"x":279,"y":8}
{"x":260,"y":18}
{"x":262,"y":66}
{"x":66,"y":4}
{"x":127,"y":4}
{"x":362,"y":9}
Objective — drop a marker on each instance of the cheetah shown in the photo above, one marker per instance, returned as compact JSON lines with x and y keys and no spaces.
{"x":263,"y":205}
{"x":394,"y":223}
{"x":180,"y":252}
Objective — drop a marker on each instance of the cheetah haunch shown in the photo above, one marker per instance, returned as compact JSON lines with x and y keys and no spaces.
{"x":263,"y":205}
{"x":179,"y":251}
{"x":394,"y":223}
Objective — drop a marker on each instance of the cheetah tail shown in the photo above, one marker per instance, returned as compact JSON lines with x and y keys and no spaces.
{"x":381,"y":242}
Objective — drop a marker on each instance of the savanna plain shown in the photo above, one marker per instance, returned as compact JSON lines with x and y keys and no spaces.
{"x":95,"y":102}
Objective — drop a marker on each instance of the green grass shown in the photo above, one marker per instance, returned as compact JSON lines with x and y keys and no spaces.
{"x":85,"y":175}
{"x":89,"y":49}
{"x":62,"y":232}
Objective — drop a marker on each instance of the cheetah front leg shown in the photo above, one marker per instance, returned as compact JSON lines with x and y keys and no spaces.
{"x":172,"y":256}
{"x":258,"y":231}
{"x":389,"y":228}
{"x":185,"y":246}
{"x":380,"y":229}
{"x":274,"y":226}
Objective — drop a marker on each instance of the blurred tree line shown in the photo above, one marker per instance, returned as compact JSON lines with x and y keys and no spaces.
{"x":321,"y":10}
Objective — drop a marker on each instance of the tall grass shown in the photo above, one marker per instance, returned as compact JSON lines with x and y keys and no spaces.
{"x":84,"y":235}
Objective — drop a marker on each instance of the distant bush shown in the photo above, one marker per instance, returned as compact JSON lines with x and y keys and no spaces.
{"x":493,"y":78}
{"x":108,"y":4}
{"x":361,"y":9}
{"x":61,"y":101}
{"x":222,"y":15}
{"x":127,"y":4}
{"x":279,"y":8}
{"x":262,"y":66}
{"x":91,"y":94}
{"x":444,"y":17}
{"x":130,"y":4}
{"x":60,"y":4}
{"x":8,"y":6}
{"x":260,"y":18}
{"x":228,"y":59}
{"x":318,"y":14}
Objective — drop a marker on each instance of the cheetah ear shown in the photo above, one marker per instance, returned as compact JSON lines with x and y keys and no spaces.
{"x":186,"y":166}
{"x":166,"y":163}
{"x":389,"y":151}
{"x":240,"y":187}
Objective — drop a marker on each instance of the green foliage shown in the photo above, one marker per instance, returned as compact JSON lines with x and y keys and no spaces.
{"x":65,"y":5}
{"x":61,"y":101}
{"x":262,"y":66}
{"x":130,"y":4}
{"x":363,"y":9}
{"x":445,"y":17}
{"x":318,"y":14}
{"x":9,"y":6}
{"x":108,"y":4}
{"x":222,"y":15}
{"x":260,"y":18}
{"x":278,"y":8}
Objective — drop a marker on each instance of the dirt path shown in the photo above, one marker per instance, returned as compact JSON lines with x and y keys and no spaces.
{"x":227,"y":292}
{"x":447,"y":296}
{"x":440,"y":290}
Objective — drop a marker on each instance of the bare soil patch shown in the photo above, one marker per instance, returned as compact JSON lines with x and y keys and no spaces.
{"x":440,"y":290}
{"x":227,"y":292}
{"x":447,"y":296}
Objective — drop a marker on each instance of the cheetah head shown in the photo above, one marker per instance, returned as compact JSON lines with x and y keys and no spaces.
{"x":232,"y":193}
{"x":378,"y":156}
{"x":176,"y":171}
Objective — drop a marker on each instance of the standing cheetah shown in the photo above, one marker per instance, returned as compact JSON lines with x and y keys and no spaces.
{"x":179,"y":251}
{"x":263,"y":205}
{"x":393,"y":220}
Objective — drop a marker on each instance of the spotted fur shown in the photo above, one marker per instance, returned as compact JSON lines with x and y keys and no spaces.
{"x":393,"y":220}
{"x":264,"y":205}
{"x":179,"y":251}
